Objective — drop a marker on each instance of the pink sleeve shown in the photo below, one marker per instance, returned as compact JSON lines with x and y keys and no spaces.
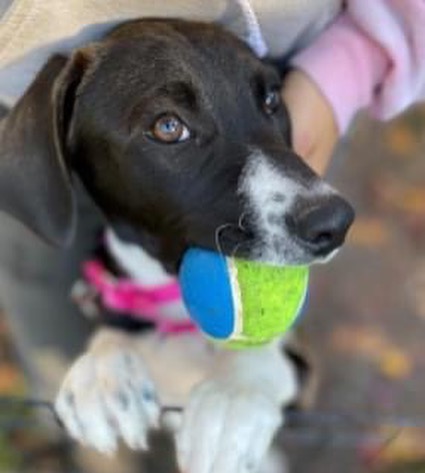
{"x":372,"y":56}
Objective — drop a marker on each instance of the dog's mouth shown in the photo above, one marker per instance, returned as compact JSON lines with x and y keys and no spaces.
{"x":236,"y":240}
{"x":310,"y":231}
{"x":298,"y":239}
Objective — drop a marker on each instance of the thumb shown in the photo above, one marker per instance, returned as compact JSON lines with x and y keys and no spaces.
{"x":314,"y":128}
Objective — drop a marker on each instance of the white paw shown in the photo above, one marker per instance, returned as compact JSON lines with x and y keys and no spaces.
{"x":231,"y":419}
{"x":226,"y":429}
{"x":107,"y":395}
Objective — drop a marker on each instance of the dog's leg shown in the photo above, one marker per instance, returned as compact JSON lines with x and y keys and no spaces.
{"x":232,"y":416}
{"x":108,"y":394}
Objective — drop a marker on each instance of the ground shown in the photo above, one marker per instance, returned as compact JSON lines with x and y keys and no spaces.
{"x":365,"y":318}
{"x":366,"y":313}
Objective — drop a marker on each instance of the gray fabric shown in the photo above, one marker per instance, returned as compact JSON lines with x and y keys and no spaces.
{"x":35,"y":283}
{"x":286,"y":25}
{"x":4,"y":5}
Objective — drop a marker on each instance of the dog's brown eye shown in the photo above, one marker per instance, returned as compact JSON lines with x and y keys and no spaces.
{"x":272,"y":102}
{"x":170,"y":129}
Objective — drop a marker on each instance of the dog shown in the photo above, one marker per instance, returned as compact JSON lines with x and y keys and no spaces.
{"x":179,"y":134}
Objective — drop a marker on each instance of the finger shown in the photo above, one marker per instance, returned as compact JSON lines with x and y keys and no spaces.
{"x":318,"y":158}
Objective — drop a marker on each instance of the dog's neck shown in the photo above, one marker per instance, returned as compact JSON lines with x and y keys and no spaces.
{"x":143,"y":269}
{"x":136,"y":262}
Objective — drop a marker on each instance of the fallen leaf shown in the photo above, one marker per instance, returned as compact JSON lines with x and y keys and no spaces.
{"x":407,"y":445}
{"x":11,"y":380}
{"x":401,"y":140}
{"x":395,"y":364}
{"x":375,"y":346}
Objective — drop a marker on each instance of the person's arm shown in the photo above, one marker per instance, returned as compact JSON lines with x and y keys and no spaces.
{"x":372,"y":56}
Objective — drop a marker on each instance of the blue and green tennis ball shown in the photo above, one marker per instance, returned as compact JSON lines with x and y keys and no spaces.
{"x":241,"y":303}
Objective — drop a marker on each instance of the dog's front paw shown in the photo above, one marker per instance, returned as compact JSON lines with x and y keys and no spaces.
{"x":108,"y":395}
{"x":226,"y":429}
{"x":231,"y":418}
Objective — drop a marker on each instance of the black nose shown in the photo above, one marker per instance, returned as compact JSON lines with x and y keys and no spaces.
{"x":321,"y":227}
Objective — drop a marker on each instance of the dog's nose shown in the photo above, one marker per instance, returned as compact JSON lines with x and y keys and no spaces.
{"x":322,"y":228}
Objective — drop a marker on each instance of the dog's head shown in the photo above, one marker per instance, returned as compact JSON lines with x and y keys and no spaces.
{"x":179,"y":134}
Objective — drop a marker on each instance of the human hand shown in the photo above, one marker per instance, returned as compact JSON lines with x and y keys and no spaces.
{"x":314,"y":128}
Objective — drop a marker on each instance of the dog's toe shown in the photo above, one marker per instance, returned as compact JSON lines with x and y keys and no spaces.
{"x":107,"y":396}
{"x":226,"y":430}
{"x":79,"y":407}
{"x":132,"y":414}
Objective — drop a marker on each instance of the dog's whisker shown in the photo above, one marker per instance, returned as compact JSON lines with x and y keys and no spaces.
{"x":238,"y":247}
{"x":235,"y":249}
{"x":240,"y":224}
{"x":218,"y":230}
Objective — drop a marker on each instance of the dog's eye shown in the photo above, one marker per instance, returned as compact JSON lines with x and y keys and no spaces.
{"x":169,"y":129}
{"x":272,"y":102}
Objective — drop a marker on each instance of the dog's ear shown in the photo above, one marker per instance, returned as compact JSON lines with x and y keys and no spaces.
{"x":35,"y":181}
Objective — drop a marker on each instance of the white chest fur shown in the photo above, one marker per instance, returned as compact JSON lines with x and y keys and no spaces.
{"x":176,"y":362}
{"x":144,"y":269}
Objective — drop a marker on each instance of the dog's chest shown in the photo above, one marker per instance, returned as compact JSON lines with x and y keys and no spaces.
{"x":177,"y":354}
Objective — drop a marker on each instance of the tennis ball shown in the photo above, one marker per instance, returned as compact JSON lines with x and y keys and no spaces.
{"x":241,"y":303}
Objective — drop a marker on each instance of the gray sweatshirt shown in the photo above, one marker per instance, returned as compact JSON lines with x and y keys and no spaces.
{"x":32,"y":30}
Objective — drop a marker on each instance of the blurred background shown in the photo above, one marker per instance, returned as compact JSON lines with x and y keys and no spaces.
{"x":365,"y":321}
{"x":366,"y":314}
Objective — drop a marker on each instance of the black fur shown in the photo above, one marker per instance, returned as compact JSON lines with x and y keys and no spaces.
{"x":93,"y":113}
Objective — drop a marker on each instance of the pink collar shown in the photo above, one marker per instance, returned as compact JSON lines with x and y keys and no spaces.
{"x":144,"y":303}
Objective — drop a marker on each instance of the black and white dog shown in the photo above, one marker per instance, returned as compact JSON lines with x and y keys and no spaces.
{"x":178,"y":132}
